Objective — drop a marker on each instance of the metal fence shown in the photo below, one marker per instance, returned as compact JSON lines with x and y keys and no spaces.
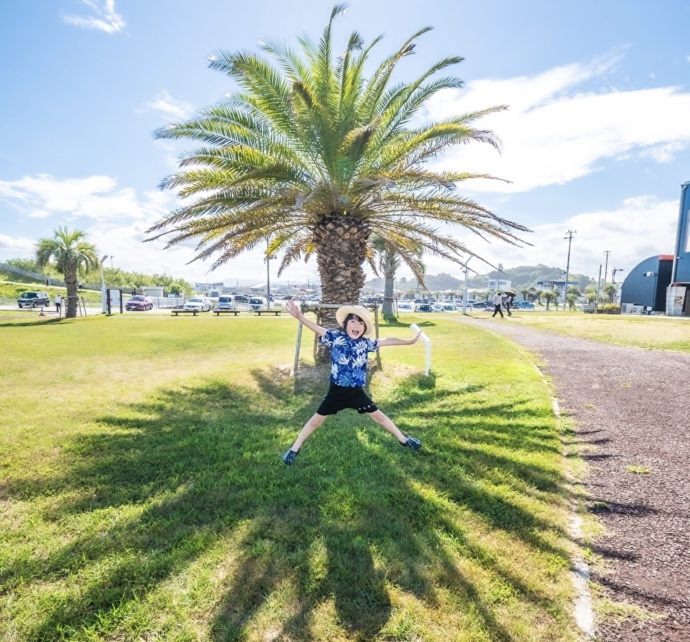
{"x":33,"y":275}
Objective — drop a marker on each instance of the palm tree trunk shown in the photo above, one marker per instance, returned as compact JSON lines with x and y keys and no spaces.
{"x":72,"y":284}
{"x":388,"y":295}
{"x":341,"y":244}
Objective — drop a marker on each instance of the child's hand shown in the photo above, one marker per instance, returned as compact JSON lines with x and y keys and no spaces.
{"x":292,"y":308}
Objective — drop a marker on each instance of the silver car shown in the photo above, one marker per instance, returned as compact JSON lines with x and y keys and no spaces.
{"x":198,"y":303}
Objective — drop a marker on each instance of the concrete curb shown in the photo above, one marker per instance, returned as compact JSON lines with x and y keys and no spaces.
{"x":584,"y":613}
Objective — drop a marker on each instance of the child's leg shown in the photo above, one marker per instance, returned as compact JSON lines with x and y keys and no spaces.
{"x":383,"y":421}
{"x":315,"y":421}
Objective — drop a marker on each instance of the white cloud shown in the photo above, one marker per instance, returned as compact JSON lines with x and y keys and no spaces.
{"x":19,"y":244}
{"x":95,"y":197}
{"x":554,"y":132}
{"x":126,"y":244}
{"x":105,"y":18}
{"x":115,"y":219}
{"x":169,"y":107}
{"x":641,"y":227}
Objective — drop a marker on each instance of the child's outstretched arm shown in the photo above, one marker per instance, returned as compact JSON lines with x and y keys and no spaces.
{"x":392,"y":341}
{"x":294,"y":311}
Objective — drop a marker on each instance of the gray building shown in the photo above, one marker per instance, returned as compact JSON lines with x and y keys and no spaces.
{"x":662,"y":283}
{"x":647,"y":283}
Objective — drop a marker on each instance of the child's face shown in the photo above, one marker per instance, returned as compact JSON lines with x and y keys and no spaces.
{"x":355,"y":328}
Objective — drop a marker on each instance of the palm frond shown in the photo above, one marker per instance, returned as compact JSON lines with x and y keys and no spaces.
{"x":313,"y":154}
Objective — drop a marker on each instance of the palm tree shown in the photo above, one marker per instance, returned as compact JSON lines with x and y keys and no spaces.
{"x":548,"y":296}
{"x":317,"y":157}
{"x":572,"y":296}
{"x":385,"y":259}
{"x":611,"y":289}
{"x":72,"y":256}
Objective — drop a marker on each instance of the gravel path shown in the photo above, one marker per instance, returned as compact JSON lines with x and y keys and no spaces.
{"x":633,"y":406}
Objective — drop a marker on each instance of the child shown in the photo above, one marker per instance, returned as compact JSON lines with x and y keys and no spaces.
{"x":349,"y":350}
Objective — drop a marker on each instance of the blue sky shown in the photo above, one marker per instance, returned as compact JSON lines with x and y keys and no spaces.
{"x":596,"y":139}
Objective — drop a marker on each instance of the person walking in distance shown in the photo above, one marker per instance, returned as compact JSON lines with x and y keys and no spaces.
{"x":58,"y":304}
{"x":497,"y":300}
{"x":350,"y":345}
{"x":508,"y":302}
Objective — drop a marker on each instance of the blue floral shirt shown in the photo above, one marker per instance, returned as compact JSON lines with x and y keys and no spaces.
{"x":348,"y":357}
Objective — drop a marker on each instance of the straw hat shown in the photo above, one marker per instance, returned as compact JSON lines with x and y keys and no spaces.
{"x":342,"y":312}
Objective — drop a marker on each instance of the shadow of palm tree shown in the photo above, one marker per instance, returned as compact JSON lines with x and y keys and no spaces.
{"x":30,"y":324}
{"x":165,"y":481}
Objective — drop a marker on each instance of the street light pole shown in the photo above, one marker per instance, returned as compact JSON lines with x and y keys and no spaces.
{"x":569,"y":236}
{"x":268,"y":277}
{"x":464,"y":294}
{"x":598,"y":286}
{"x":104,"y":307}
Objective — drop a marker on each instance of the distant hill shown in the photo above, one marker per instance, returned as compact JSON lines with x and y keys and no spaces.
{"x":522,"y":277}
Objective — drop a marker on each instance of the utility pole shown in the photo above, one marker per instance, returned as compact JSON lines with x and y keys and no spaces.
{"x":569,"y":236}
{"x":606,"y":268}
{"x":613,"y":274}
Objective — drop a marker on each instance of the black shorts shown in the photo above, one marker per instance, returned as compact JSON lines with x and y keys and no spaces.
{"x":340,"y":397}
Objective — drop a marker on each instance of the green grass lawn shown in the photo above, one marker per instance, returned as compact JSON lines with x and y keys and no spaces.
{"x":142,"y":495}
{"x":656,"y":332}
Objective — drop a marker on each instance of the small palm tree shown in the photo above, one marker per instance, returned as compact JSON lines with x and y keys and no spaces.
{"x":385,"y":259}
{"x":611,"y":289}
{"x":317,"y":157}
{"x":72,"y":256}
{"x":548,"y":296}
{"x":572,"y":296}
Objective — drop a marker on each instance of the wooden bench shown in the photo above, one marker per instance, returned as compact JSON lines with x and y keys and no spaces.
{"x":181,"y":311}
{"x":274,"y":312}
{"x":219,"y":312}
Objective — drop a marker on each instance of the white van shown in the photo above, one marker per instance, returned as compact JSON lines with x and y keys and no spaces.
{"x":225,"y":302}
{"x":257,"y":303}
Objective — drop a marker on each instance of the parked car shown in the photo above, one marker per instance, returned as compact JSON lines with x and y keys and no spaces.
{"x":405,"y":306}
{"x":424,"y":307}
{"x":32,"y":299}
{"x":225,"y":302}
{"x":199,"y":303}
{"x":213,"y":296}
{"x":523,"y":305}
{"x":257,"y":303}
{"x":139,"y":302}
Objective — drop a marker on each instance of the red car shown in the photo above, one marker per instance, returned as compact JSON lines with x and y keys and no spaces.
{"x":139,"y":302}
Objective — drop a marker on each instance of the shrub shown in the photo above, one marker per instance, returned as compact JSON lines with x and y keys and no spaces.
{"x":609,"y":308}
